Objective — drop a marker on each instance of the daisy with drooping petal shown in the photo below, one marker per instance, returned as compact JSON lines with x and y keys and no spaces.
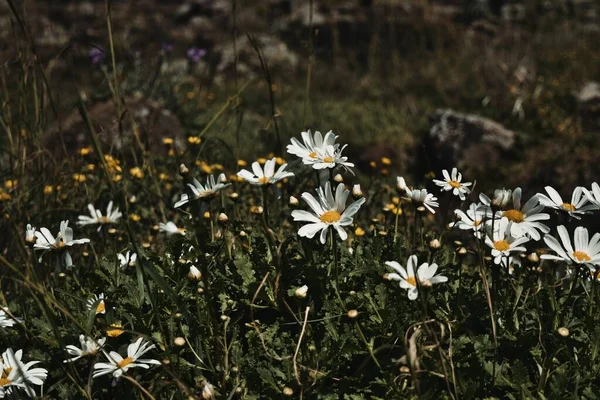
{"x":502,"y":242}
{"x":452,"y":182}
{"x":500,"y":199}
{"x":128,"y":259}
{"x":593,"y":196}
{"x":421,"y":196}
{"x":96,"y":217}
{"x":329,"y":157}
{"x":64,"y":240}
{"x":408,"y":279}
{"x":525,"y":220}
{"x":578,"y":205}
{"x":473,"y":219}
{"x":171,"y":229}
{"x":89,"y":347}
{"x":586,"y":251}
{"x":7,"y":320}
{"x":19,"y":374}
{"x":207,"y":191}
{"x":259,"y":177}
{"x":117,"y":365}
{"x":327,"y":211}
{"x":98,"y":302}
{"x":313,"y":144}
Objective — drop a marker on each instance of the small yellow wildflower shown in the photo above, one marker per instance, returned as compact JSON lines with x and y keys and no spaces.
{"x":117,"y":178}
{"x":242,"y":163}
{"x":115,"y":330}
{"x":48,"y":189}
{"x":4,"y":196}
{"x":168,"y":141}
{"x":190,"y":95}
{"x":280,"y":161}
{"x":262,"y":160}
{"x":136,"y":172}
{"x":79,"y":177}
{"x":85,"y":151}
{"x":91,"y":167}
{"x":11,"y":184}
{"x":386,"y":161}
{"x":218,"y":167}
{"x":359,"y":231}
{"x":207,"y":215}
{"x":207,"y":169}
{"x":373,"y":164}
{"x":134,"y":217}
{"x":163,"y":177}
{"x":194,"y":140}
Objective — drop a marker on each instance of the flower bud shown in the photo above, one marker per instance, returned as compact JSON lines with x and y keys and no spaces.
{"x":208,"y":392}
{"x":301,"y":292}
{"x":194,"y":273}
{"x":401,"y":184}
{"x":564,"y":332}
{"x":501,"y":197}
{"x":288,"y":391}
{"x":179,"y":341}
{"x":293,"y":201}
{"x":223,"y":218}
{"x":357,"y":192}
{"x":338,"y":178}
{"x":183,"y":170}
{"x":352,"y":314}
{"x":533,"y":257}
{"x":435,"y":244}
{"x":234,"y":196}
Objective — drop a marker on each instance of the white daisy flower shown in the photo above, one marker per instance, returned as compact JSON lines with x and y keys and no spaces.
{"x":401,"y":184}
{"x":421,"y":196}
{"x":98,"y":302}
{"x":7,"y":320}
{"x":586,"y":251}
{"x":30,"y":234}
{"x":16,"y":373}
{"x":171,"y":229}
{"x":452,"y":182}
{"x":259,"y":177}
{"x":502,"y":242}
{"x":578,"y":205}
{"x":64,"y":240}
{"x":500,"y":199}
{"x":593,"y":196}
{"x":329,"y":157}
{"x":207,"y":191}
{"x":473,"y":219}
{"x":327,"y":211}
{"x":128,"y":259}
{"x":408,"y":279}
{"x":525,"y":220}
{"x":96,"y":217}
{"x":117,"y":365}
{"x":89,"y":347}
{"x":313,"y":144}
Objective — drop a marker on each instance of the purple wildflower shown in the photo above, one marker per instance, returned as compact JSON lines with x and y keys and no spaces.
{"x":195,"y":54}
{"x":96,"y":55}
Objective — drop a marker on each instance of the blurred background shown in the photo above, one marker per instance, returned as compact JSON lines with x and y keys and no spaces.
{"x":505,"y":90}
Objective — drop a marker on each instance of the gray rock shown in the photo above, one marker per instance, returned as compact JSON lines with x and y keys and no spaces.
{"x":468,"y":141}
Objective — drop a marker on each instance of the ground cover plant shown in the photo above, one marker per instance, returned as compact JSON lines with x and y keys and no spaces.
{"x":250,"y":263}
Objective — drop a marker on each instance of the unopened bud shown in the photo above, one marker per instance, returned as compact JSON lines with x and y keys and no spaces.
{"x":179,"y":341}
{"x":357,"y":192}
{"x":288,"y":391}
{"x":301,"y":292}
{"x":234,"y":196}
{"x":183,"y":170}
{"x":194,"y":273}
{"x":533,"y":257}
{"x":293,"y":201}
{"x":208,"y":392}
{"x":352,"y":314}
{"x":338,"y":178}
{"x":435,"y":244}
{"x":564,"y":332}
{"x":462,"y":251}
{"x":223,"y":218}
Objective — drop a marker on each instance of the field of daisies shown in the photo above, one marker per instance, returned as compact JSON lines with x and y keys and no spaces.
{"x":282,"y":279}
{"x":244,"y":252}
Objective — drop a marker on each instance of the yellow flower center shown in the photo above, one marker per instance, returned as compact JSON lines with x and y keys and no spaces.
{"x":263,"y":181}
{"x":568,"y":206}
{"x":125,"y":362}
{"x":454,"y":184}
{"x":581,"y":256}
{"x":115,"y":331}
{"x":313,"y":154}
{"x":476,"y":223}
{"x":103,"y":220}
{"x":6,"y":372}
{"x":330,"y":217}
{"x":101,"y":308}
{"x":514,"y":215}
{"x":501,"y":245}
{"x":411,"y":280}
{"x":59,"y":245}
{"x":5,"y":381}
{"x":328,"y":159}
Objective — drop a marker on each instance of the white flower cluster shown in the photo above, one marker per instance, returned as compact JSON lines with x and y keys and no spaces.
{"x":16,"y":375}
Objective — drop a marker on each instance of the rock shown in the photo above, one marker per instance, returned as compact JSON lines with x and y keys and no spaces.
{"x":588,"y":105}
{"x":467,"y":141}
{"x":150,"y":119}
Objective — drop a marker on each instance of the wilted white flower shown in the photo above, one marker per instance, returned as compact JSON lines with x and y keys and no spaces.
{"x":500,"y":199}
{"x":301,"y":292}
{"x":421,"y":196}
{"x":6,"y":319}
{"x":171,"y":229}
{"x":525,"y":220}
{"x":89,"y":347}
{"x":194,"y":273}
{"x":327,"y":211}
{"x":128,"y":259}
{"x":408,"y":279}
{"x":117,"y":365}
{"x":208,"y":391}
{"x":502,"y":242}
{"x":30,"y":234}
{"x":578,"y":205}
{"x":401,"y":184}
{"x":19,"y":375}
{"x":586,"y":251}
{"x":259,"y":177}
{"x":96,"y":217}
{"x":207,"y":191}
{"x":98,"y":302}
{"x":453,"y":183}
{"x":64,"y":240}
{"x":473,"y":219}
